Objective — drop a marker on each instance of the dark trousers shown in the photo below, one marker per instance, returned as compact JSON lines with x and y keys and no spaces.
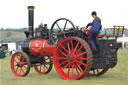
{"x":92,"y":39}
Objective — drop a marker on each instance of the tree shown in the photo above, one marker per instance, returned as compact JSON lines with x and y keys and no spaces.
{"x":2,"y":29}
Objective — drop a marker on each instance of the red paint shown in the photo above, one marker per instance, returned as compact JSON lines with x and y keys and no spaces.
{"x":99,"y":36}
{"x":44,"y":67}
{"x":86,"y":31}
{"x":41,"y":47}
{"x":72,"y":67}
{"x":18,"y":66}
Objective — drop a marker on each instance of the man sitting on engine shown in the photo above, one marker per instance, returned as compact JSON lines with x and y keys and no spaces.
{"x":94,"y":28}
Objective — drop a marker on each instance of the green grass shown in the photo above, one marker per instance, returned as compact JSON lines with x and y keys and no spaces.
{"x":115,"y":76}
{"x":14,"y":35}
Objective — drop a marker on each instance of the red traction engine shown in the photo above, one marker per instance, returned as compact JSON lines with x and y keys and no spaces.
{"x":65,"y":45}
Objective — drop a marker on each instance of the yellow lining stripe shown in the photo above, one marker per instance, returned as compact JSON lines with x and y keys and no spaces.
{"x":30,"y":9}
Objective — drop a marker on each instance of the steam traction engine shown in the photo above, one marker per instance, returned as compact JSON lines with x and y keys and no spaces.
{"x":68,"y":47}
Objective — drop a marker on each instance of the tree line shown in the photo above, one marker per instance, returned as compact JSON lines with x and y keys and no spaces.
{"x":14,"y":29}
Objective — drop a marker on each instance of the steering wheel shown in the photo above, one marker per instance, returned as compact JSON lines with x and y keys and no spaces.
{"x":60,"y":29}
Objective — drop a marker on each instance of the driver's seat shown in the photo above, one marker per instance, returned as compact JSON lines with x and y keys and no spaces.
{"x":86,"y":31}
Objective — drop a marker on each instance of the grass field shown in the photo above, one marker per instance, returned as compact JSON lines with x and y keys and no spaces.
{"x":115,"y":76}
{"x":13,"y":35}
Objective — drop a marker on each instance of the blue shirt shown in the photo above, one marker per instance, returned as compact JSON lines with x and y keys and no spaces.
{"x":96,"y":26}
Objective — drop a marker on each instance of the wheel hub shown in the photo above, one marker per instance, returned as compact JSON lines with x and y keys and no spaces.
{"x":18,"y":64}
{"x":70,"y":58}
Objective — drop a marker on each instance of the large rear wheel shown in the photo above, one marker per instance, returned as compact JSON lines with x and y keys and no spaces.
{"x":73,"y":58}
{"x":97,"y":72}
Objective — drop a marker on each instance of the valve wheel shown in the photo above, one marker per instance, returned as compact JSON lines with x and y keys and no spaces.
{"x":45,"y":67}
{"x":60,"y":29}
{"x":73,"y":58}
{"x":20,"y":64}
{"x":97,"y":72}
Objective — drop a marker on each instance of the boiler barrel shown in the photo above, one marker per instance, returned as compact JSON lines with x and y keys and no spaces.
{"x":40,"y":47}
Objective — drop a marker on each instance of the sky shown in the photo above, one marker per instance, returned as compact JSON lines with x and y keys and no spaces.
{"x":14,"y":13}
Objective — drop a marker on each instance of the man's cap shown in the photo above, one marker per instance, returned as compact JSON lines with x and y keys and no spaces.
{"x":94,"y":13}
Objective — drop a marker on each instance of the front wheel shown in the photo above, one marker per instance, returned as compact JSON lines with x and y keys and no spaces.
{"x":20,"y":64}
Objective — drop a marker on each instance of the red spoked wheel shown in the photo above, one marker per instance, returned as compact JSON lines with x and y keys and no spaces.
{"x":20,"y":64}
{"x":44,"y":67}
{"x":73,"y":58}
{"x":97,"y":72}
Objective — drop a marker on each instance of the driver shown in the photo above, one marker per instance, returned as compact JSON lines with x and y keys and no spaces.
{"x":94,"y":28}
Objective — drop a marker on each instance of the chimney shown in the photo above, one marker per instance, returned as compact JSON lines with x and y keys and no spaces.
{"x":31,"y":21}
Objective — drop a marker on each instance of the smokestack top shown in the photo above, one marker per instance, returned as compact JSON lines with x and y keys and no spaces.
{"x":31,"y":8}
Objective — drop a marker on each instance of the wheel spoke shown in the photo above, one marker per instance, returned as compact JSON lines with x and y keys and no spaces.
{"x":15,"y":61}
{"x":63,"y":53}
{"x":64,"y":48}
{"x":81,"y":54}
{"x":93,"y":71}
{"x":40,"y":67}
{"x":18,"y":58}
{"x":76,"y":47}
{"x":65,"y":25}
{"x":79,"y":67}
{"x":62,"y":58}
{"x":58,"y":26}
{"x":76,"y":69}
{"x":63,"y":63}
{"x":72,"y":45}
{"x":97,"y":71}
{"x":17,"y":68}
{"x":65,"y":66}
{"x":23,"y":59}
{"x":81,"y":63}
{"x":25,"y":63}
{"x":46,"y":67}
{"x":69,"y":48}
{"x":68,"y":69}
{"x":25,"y":67}
{"x":22,"y":70}
{"x":79,"y":50}
{"x":72,"y":71}
{"x":82,"y":58}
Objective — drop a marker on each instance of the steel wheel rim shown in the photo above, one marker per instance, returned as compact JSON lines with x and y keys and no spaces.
{"x":97,"y":72}
{"x":74,"y":66}
{"x":20,"y":64}
{"x":45,"y":67}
